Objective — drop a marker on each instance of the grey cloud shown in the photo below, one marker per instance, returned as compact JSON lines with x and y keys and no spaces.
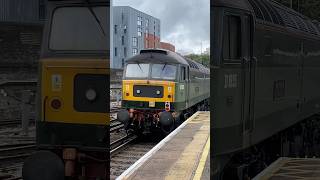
{"x":185,"y":23}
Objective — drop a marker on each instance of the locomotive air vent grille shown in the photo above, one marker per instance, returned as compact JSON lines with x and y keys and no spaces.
{"x":256,"y":10}
{"x":311,"y":28}
{"x":265,"y":11}
{"x":192,"y":64}
{"x":274,"y":14}
{"x":268,"y":9}
{"x":266,"y":15}
{"x":286,"y":18}
{"x":301,"y":24}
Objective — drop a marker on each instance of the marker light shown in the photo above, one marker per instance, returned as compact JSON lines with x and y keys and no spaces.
{"x":56,"y":104}
{"x":167,"y":106}
{"x":91,"y":94}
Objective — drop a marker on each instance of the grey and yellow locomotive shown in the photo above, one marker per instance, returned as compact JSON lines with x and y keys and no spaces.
{"x":161,"y":89}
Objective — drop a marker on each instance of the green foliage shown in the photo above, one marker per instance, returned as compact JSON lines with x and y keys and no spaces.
{"x":310,"y":8}
{"x":202,"y":59}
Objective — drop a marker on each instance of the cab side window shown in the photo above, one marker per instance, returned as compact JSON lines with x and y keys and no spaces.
{"x":231,"y":38}
{"x":183,"y":74}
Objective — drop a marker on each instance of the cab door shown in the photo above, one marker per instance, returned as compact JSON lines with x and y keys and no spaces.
{"x":248,"y":74}
{"x":184,"y":85}
{"x":237,"y":74}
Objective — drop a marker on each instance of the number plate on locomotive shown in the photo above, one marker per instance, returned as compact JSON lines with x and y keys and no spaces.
{"x":152,"y":104}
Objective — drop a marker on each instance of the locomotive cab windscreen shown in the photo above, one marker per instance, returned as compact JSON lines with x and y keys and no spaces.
{"x":151,"y":71}
{"x":69,"y":32}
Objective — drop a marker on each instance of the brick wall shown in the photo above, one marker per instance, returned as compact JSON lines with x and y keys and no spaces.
{"x":168,"y":46}
{"x":151,"y":41}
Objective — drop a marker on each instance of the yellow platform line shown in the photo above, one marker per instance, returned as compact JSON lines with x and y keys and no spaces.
{"x":202,"y":161}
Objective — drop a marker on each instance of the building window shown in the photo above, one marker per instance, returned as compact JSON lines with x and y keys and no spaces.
{"x":147,"y":22}
{"x":134,"y":51}
{"x":125,"y":52}
{"x":139,"y":31}
{"x":122,"y":63}
{"x":139,"y":21}
{"x":122,"y":17}
{"x":115,"y":29}
{"x":122,"y":40}
{"x":147,"y":33}
{"x":134,"y":42}
{"x":115,"y":51}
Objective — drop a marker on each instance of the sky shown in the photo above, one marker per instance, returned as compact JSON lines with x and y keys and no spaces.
{"x":184,"y":23}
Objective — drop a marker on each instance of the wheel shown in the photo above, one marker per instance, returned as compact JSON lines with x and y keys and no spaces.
{"x":43,"y":165}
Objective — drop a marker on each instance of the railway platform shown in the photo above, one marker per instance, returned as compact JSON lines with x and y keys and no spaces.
{"x":291,"y":168}
{"x":183,"y":154}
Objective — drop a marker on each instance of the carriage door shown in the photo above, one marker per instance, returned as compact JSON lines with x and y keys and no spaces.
{"x":248,"y":64}
{"x":185,"y":85}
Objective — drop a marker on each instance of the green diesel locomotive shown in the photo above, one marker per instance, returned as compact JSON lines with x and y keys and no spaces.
{"x":161,"y":89}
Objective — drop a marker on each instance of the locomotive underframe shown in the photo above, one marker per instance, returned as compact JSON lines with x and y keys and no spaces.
{"x":300,"y":140}
{"x":148,"y":120}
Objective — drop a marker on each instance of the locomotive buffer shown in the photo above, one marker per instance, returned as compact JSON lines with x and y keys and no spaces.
{"x":183,"y":154}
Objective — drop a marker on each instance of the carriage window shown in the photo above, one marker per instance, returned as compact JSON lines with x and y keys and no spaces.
{"x":231,"y":38}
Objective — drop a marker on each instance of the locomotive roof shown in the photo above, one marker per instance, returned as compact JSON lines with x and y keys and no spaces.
{"x":166,"y":56}
{"x":157,"y":55}
{"x":238,"y":4}
{"x":273,"y":13}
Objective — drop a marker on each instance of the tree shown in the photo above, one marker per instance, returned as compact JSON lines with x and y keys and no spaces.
{"x":202,"y":59}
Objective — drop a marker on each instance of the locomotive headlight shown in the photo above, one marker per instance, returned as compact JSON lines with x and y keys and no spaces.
{"x":138,"y":91}
{"x":158,"y":92}
{"x":91,"y":94}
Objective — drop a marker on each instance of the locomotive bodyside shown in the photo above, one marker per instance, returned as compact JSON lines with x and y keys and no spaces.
{"x":262,"y":73}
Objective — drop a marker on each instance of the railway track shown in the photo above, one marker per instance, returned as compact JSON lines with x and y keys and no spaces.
{"x":124,"y":157}
{"x":11,"y":172}
{"x":11,"y":159}
{"x":14,"y":152}
{"x":5,"y":123}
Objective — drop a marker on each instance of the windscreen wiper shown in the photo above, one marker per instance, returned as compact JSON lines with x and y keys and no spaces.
{"x":95,"y":17}
{"x":164,"y":66}
{"x":140,"y":67}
